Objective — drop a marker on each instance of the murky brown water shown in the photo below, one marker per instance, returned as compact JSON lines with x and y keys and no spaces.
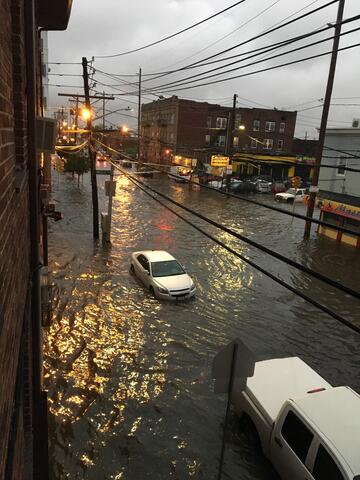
{"x":129,"y":378}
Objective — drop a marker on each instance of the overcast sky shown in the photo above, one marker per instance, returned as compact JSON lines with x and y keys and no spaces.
{"x":109,"y":27}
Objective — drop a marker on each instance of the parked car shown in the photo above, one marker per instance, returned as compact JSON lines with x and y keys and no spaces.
{"x":245,"y":187}
{"x":262,"y":186}
{"x":308,"y":429}
{"x":292,"y":195}
{"x":162,"y":275}
{"x":278,"y":186}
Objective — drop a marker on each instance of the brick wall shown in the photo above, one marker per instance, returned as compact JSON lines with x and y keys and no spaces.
{"x":14,"y":224}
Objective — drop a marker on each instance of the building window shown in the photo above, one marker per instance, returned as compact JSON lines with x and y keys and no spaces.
{"x":172,"y":119}
{"x":282,"y":127}
{"x":171,"y":136}
{"x":280,"y":144}
{"x":254,"y":143}
{"x":221,"y":140}
{"x":236,"y":141}
{"x":221,"y":122}
{"x":209,"y":122}
{"x":207,"y":139}
{"x":341,"y":164}
{"x":256,"y":125}
{"x":268,"y":143}
{"x":270,"y":126}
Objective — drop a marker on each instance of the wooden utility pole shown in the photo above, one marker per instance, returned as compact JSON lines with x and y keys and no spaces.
{"x":109,"y":215}
{"x":104,"y":110}
{"x":139,"y":122}
{"x":230,"y":137}
{"x":92,"y":157}
{"x":324,"y":119}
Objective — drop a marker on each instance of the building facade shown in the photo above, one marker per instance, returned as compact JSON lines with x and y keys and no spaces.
{"x":175,"y":126}
{"x":340,"y":188}
{"x":23,"y":439}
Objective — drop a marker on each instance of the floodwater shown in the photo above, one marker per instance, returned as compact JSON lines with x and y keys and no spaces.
{"x":129,"y":378}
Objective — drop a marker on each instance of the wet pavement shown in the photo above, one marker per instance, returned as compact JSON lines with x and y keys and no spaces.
{"x":129,"y":382}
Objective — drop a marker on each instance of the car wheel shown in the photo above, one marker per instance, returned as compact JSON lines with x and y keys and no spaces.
{"x":152,"y":291}
{"x":132,"y":270}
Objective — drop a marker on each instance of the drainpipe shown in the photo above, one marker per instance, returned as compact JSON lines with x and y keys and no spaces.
{"x":34,"y":213}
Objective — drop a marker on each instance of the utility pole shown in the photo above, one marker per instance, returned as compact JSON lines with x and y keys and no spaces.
{"x":324,"y":119}
{"x":139,"y":123}
{"x":230,"y":137}
{"x":76,"y":118}
{"x":92,"y":157}
{"x":104,"y":111}
{"x":112,"y":186}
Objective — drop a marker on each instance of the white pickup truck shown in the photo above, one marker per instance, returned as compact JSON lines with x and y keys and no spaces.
{"x":308,"y":429}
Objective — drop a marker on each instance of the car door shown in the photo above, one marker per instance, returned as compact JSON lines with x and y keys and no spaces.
{"x":325,"y":467}
{"x":290,"y":447}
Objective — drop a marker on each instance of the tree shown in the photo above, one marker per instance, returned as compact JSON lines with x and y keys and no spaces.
{"x":76,"y":163}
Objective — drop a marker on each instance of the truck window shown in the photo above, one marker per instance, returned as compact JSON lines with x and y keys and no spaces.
{"x":325,"y":467}
{"x":297,"y":435}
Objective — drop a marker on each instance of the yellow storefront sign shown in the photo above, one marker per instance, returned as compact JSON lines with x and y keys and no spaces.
{"x":219,"y":161}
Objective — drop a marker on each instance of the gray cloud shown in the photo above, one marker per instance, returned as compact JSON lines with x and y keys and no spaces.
{"x":110,"y":26}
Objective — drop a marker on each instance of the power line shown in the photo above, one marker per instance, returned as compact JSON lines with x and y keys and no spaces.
{"x":248,"y":200}
{"x":325,"y":309}
{"x":228,"y":34}
{"x":263,"y":70}
{"x":201,"y":62}
{"x":183,"y":81}
{"x":173,"y":34}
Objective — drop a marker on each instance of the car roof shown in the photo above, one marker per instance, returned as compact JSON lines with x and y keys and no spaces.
{"x":157,"y":255}
{"x":336,"y":414}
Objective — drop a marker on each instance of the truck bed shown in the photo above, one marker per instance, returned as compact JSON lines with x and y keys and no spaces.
{"x":278,"y":380}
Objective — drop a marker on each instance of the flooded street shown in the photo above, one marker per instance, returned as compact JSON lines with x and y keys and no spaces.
{"x":130,"y":393}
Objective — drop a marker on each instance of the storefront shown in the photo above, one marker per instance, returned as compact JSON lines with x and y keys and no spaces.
{"x":340,"y":215}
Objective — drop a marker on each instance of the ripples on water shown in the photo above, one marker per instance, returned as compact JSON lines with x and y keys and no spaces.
{"x":128,"y":377}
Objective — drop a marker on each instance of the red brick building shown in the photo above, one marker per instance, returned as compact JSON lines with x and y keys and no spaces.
{"x":23,"y":439}
{"x":198,"y":129}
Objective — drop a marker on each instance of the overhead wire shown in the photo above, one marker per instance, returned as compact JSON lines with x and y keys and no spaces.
{"x":275,"y":67}
{"x":168,"y":37}
{"x":146,"y":188}
{"x":201,"y":62}
{"x":192,"y":79}
{"x":247,"y":200}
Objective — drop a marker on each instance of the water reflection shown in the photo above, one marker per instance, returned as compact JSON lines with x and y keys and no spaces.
{"x":128,"y":377}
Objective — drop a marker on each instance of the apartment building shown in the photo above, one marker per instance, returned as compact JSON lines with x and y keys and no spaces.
{"x":199,"y":129}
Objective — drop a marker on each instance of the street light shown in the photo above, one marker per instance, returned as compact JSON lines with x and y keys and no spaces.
{"x":86,"y":113}
{"x":124,"y":129}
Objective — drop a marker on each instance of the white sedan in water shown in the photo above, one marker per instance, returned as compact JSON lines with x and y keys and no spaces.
{"x":162,"y":274}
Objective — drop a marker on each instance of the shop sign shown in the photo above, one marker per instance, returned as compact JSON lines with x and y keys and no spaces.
{"x":342,"y":209}
{"x":219,"y":161}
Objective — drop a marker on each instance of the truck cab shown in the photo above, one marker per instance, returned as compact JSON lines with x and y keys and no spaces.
{"x":308,"y":429}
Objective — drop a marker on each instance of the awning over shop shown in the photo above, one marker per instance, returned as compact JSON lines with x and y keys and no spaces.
{"x":342,"y":209}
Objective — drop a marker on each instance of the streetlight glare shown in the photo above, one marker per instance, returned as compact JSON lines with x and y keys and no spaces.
{"x":124,"y":129}
{"x":85,"y":113}
{"x":242,"y":127}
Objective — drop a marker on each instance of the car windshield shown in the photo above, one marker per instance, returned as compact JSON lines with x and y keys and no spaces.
{"x":292,"y":191}
{"x":166,"y":269}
